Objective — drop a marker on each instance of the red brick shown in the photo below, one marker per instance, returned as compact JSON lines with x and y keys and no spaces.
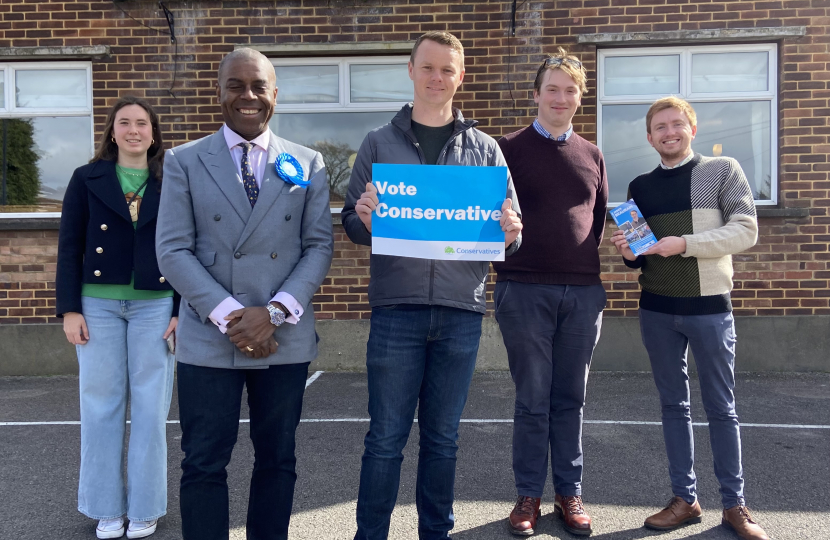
{"x":789,"y":263}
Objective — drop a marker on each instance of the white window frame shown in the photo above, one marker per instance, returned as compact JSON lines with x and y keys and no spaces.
{"x":11,"y":110}
{"x":685,"y":86}
{"x":343,"y":79}
{"x":344,"y":87}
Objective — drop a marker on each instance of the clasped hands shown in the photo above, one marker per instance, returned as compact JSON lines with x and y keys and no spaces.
{"x":510,"y":222}
{"x":665,"y":247}
{"x":250,"y":329}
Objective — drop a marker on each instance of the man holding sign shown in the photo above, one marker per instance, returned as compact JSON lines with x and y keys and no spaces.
{"x":426,"y":313}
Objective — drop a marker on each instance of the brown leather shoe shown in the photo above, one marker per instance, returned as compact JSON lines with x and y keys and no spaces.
{"x":739,"y":520}
{"x":678,"y":512}
{"x":575,"y":519}
{"x":523,"y":518}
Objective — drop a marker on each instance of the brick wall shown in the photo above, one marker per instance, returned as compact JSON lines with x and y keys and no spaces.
{"x":785,"y":274}
{"x":27,"y":276}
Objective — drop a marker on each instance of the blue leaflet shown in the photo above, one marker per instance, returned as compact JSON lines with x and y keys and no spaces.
{"x":637,"y":232}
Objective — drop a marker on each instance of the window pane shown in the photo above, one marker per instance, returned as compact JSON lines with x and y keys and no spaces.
{"x":307,"y":84}
{"x":51,"y":88}
{"x":730,"y":72}
{"x":625,"y":147}
{"x":637,"y":75}
{"x":335,"y":135}
{"x":2,"y":89}
{"x":370,"y":83}
{"x":740,"y":130}
{"x":40,"y":156}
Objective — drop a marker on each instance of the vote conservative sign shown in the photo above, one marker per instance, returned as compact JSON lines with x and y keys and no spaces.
{"x":446,"y":212}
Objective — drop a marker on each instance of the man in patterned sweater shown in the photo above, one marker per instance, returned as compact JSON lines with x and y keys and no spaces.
{"x":702,"y":211}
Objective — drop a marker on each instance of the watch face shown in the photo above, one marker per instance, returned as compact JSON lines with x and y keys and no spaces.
{"x":277,"y":315}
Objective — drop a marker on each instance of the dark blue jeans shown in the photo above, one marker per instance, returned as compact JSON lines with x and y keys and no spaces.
{"x":209,"y":406}
{"x":550,"y":332}
{"x":420,"y":356}
{"x":712,"y":338}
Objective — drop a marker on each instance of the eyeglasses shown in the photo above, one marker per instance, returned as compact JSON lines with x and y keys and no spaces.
{"x":558,"y":61}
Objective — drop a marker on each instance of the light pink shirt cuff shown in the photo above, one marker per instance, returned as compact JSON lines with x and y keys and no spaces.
{"x":221,"y":311}
{"x":295,"y":310}
{"x":229,"y":304}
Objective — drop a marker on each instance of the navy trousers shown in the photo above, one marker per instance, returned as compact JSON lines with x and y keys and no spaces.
{"x":209,"y":406}
{"x":712,"y":338}
{"x":550,"y":332}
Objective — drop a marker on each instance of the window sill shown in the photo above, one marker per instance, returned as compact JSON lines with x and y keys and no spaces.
{"x":764,"y":212}
{"x":731,"y":35}
{"x":54,"y":223}
{"x":54,"y":53}
{"x":29,"y":223}
{"x":280,"y":50}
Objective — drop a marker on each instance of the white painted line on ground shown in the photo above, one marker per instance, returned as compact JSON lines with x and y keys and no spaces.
{"x":337,"y":420}
{"x":463,"y":421}
{"x":313,"y":378}
{"x":706,"y":424}
{"x":69,"y":423}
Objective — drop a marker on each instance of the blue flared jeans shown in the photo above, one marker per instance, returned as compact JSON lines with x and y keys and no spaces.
{"x":125,"y":361}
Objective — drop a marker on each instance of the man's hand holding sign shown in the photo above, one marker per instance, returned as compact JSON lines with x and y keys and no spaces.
{"x":366,"y":204}
{"x":510,"y":222}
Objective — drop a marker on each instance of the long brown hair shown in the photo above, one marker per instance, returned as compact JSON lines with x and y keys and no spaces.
{"x":108,"y":150}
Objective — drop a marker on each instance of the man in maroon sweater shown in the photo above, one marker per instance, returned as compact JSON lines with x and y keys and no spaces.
{"x":549,"y":297}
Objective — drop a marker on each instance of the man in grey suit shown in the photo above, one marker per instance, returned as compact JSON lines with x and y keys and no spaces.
{"x":244,"y":233}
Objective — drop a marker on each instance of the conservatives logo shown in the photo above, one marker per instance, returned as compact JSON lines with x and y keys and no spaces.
{"x":477,"y":251}
{"x":470,"y":251}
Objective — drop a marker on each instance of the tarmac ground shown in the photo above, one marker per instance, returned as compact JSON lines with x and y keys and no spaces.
{"x":786,"y":457}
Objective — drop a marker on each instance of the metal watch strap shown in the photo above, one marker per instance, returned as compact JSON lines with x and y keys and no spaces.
{"x":277,"y":315}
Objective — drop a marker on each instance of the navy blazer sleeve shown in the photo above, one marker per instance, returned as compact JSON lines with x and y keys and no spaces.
{"x":71,"y":246}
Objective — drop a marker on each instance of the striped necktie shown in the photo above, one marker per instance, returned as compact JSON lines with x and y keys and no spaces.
{"x":248,"y":179}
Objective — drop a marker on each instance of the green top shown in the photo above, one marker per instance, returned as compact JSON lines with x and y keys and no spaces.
{"x":130,"y":180}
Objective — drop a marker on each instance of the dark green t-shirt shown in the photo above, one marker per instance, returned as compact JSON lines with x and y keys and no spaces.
{"x":432,"y":139}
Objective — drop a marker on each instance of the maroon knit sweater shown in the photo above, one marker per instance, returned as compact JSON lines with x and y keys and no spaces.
{"x":563,"y":190}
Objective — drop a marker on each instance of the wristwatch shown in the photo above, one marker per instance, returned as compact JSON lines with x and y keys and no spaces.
{"x":277,"y":315}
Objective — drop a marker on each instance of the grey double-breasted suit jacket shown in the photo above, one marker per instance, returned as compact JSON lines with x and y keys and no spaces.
{"x":211,"y":244}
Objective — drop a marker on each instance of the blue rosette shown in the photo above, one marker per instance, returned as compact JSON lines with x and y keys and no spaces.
{"x":290,"y":170}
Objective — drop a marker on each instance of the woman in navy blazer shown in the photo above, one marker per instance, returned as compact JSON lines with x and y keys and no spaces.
{"x":118,"y":311}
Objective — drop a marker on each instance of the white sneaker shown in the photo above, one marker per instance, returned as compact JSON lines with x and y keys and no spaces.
{"x":141,"y":529}
{"x":110,"y":528}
